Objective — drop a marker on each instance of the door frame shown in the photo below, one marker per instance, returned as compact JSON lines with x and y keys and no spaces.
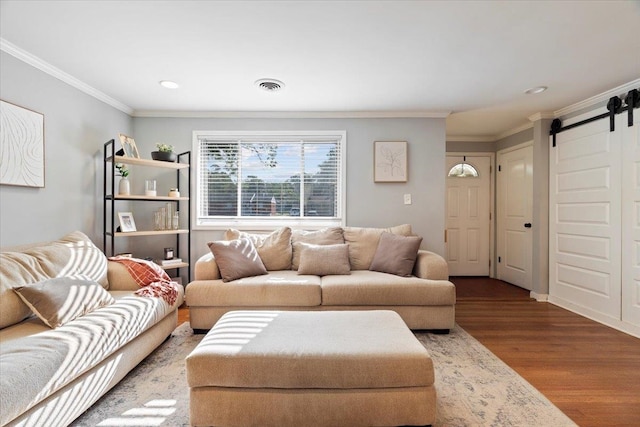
{"x":492,"y":201}
{"x":498,"y":154}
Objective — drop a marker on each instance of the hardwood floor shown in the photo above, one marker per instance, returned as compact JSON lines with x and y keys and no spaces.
{"x":588,"y":370}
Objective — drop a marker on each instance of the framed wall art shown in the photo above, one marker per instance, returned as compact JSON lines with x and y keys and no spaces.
{"x":390,"y":161}
{"x":21,"y":146}
{"x":129,"y":146}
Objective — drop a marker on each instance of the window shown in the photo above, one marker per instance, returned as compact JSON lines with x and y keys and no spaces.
{"x":463,"y":170}
{"x":267,"y":179}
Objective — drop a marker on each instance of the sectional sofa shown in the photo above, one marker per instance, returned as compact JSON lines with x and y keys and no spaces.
{"x":361,"y":273}
{"x":51,"y":375}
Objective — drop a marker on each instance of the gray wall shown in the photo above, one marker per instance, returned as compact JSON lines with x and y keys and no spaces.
{"x":76,"y":126}
{"x":368,"y":203}
{"x":515,"y":139}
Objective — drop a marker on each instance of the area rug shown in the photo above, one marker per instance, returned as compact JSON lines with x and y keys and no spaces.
{"x":474,"y":388}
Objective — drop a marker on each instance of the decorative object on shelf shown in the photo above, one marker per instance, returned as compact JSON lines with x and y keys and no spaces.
{"x":176,"y":221}
{"x":165,"y":153}
{"x":124,"y":187}
{"x":129,"y":146}
{"x":174,"y":192}
{"x":150,"y":188}
{"x":127,"y":224}
{"x":168,"y":253}
{"x":22,"y":142}
{"x":390,"y":161}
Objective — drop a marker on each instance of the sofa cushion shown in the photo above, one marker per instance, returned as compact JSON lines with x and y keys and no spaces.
{"x":283,"y":288}
{"x":311,"y":350}
{"x":326,"y":236}
{"x":60,"y":300}
{"x":396,"y":254}
{"x":237,"y":259}
{"x":363,"y":242}
{"x":323,"y":260}
{"x":274,"y":248}
{"x":74,"y":255}
{"x":39,"y":364}
{"x":374,"y":288}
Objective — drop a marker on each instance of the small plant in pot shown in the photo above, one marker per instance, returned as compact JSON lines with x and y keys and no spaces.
{"x":165,"y":153}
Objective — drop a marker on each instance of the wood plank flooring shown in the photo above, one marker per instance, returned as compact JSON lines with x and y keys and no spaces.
{"x":588,"y":370}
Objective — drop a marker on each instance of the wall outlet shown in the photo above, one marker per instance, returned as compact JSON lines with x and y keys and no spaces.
{"x":407,"y":199}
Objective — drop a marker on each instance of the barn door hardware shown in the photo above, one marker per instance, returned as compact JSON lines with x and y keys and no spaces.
{"x":633,"y":101}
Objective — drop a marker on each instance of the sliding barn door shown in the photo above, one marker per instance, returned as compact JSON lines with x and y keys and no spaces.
{"x":631,"y":221}
{"x":584,"y":219}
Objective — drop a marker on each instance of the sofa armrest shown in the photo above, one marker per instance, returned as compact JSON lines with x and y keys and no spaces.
{"x":430,"y":265}
{"x":119,"y":278}
{"x":207,"y":268}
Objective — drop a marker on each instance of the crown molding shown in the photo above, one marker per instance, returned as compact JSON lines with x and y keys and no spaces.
{"x":541,"y":116}
{"x":514,"y":131}
{"x":463,"y":138}
{"x":603,"y":97}
{"x":47,"y":68}
{"x":292,"y":114}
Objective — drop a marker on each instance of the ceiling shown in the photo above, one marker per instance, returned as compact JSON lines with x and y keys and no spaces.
{"x":414,"y":58}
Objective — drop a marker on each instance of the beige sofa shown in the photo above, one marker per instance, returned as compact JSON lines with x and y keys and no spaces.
{"x":424,"y":300}
{"x":50,"y":376}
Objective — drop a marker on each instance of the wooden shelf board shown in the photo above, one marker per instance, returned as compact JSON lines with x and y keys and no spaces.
{"x":174,"y":266}
{"x":149,"y":198}
{"x":150,"y":233}
{"x":149,"y":162}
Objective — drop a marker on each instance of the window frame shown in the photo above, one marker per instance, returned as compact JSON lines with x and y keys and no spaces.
{"x":269,"y":223}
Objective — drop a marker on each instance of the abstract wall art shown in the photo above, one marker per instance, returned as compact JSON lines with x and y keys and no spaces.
{"x":21,"y":146}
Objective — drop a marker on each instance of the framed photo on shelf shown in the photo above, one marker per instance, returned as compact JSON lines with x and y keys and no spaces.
{"x":129,"y":146}
{"x":127,"y":224}
{"x":390,"y":161}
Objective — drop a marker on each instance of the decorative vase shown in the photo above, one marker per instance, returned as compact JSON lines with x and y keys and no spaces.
{"x":124,"y":187}
{"x":164,"y":156}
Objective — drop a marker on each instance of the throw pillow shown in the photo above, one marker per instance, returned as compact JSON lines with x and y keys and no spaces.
{"x":396,"y":254}
{"x":323,"y":260}
{"x":60,"y":300}
{"x":274,"y":248}
{"x":237,"y":259}
{"x":326,"y":236}
{"x":363,"y":242}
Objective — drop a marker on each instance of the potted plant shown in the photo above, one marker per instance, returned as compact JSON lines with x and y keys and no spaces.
{"x":124,"y":188}
{"x":165,"y":153}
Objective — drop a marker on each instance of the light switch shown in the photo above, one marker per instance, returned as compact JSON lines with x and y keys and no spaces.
{"x":407,"y":199}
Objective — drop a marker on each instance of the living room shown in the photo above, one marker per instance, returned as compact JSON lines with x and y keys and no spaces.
{"x":373,"y":70}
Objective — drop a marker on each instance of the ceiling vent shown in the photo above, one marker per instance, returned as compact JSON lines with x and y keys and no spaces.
{"x":270,"y":85}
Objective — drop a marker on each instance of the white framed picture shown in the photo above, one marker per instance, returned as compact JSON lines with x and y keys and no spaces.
{"x":127,"y":224}
{"x":390,"y":161}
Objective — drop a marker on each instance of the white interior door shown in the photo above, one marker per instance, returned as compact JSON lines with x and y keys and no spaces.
{"x":584,"y":219}
{"x":468,"y":217}
{"x":631,"y":220}
{"x":514,"y":214}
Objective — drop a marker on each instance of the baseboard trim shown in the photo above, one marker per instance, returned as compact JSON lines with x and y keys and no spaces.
{"x":617,"y":324}
{"x":539,"y":297}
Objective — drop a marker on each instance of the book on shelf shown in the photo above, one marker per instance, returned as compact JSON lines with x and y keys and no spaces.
{"x":169,"y":262}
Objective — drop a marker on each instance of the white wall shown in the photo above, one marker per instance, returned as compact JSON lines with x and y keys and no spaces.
{"x":76,"y":126}
{"x":368,"y":203}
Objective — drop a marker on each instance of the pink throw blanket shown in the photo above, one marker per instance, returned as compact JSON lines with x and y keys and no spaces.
{"x":152,"y":279}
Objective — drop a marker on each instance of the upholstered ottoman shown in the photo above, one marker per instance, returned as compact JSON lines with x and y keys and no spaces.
{"x":300,"y":368}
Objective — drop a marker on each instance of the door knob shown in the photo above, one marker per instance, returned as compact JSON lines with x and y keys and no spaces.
{"x":527,"y":225}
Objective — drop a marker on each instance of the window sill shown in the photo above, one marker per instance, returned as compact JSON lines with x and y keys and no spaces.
{"x":267,"y":224}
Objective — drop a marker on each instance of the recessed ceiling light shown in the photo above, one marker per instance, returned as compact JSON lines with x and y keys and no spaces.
{"x":536,"y":89}
{"x":270,"y":85}
{"x":169,"y":84}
